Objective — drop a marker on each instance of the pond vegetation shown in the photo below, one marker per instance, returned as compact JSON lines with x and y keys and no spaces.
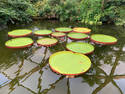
{"x":28,"y":70}
{"x":94,"y":12}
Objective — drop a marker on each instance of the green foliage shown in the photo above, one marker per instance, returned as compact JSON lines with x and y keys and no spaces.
{"x":120,"y":20}
{"x":15,"y":11}
{"x":91,"y":12}
{"x":68,"y":10}
{"x":62,"y":10}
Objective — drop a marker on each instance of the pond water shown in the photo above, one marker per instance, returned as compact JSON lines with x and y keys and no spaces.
{"x":26,"y":71}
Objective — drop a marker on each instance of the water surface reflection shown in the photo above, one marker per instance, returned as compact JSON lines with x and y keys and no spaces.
{"x":27,"y":70}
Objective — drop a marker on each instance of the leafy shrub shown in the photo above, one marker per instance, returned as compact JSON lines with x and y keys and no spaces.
{"x":16,"y":11}
{"x":85,"y":11}
{"x":90,"y":11}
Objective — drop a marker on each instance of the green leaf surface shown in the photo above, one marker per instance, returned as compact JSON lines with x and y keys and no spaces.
{"x":58,"y":34}
{"x":103,"y":38}
{"x":19,"y":42}
{"x":69,"y":63}
{"x":82,"y":30}
{"x":19,"y":32}
{"x":43,"y":32}
{"x":74,"y":35}
{"x":47,"y":41}
{"x":80,"y":47}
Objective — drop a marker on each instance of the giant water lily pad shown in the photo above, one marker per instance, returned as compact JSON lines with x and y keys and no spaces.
{"x":77,"y":36}
{"x":58,"y":34}
{"x":47,"y":42}
{"x":103,"y":39}
{"x":63,"y":29}
{"x":69,"y":63}
{"x":42,"y":32}
{"x":19,"y":42}
{"x":19,"y":33}
{"x":81,"y":30}
{"x":80,"y":47}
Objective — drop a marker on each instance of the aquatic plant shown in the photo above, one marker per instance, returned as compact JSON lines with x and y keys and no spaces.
{"x":19,"y":33}
{"x":80,"y":47}
{"x":69,"y":63}
{"x":77,"y":36}
{"x":47,"y":42}
{"x":42,"y":32}
{"x":19,"y":42}
{"x":81,"y":30}
{"x":58,"y":34}
{"x":103,"y":39}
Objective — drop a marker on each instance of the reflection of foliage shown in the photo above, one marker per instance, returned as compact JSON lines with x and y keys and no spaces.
{"x":104,"y":54}
{"x":91,"y":80}
{"x":11,"y":56}
{"x":93,"y":76}
{"x":57,"y":47}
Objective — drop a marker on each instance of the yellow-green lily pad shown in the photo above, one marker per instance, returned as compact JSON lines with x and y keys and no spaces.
{"x":81,"y":30}
{"x":19,"y":33}
{"x":19,"y":42}
{"x":58,"y":34}
{"x":47,"y":42}
{"x":80,"y":47}
{"x":77,"y":36}
{"x":103,"y":39}
{"x":42,"y":32}
{"x":69,"y":63}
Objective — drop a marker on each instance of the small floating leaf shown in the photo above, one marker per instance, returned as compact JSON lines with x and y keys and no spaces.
{"x":103,"y":39}
{"x":80,"y":47}
{"x":81,"y":30}
{"x":63,"y":29}
{"x":42,"y":32}
{"x":47,"y":41}
{"x":19,"y":42}
{"x":19,"y":33}
{"x":77,"y":36}
{"x":67,"y":63}
{"x":58,"y":34}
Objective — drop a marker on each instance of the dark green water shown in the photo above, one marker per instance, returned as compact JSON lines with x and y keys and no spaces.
{"x":26,"y":71}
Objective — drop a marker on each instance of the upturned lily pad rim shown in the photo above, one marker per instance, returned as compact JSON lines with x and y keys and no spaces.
{"x":42,"y":34}
{"x":47,"y":45}
{"x":21,"y":35}
{"x":104,"y":43}
{"x":67,"y":31}
{"x":88,"y":53}
{"x":24,"y":46}
{"x":77,"y":38}
{"x":56,"y":36}
{"x":85,"y":32}
{"x":66,"y":73}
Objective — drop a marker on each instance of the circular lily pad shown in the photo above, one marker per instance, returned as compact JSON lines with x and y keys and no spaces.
{"x":81,"y":30}
{"x":42,"y":32}
{"x":58,"y":34}
{"x":19,"y":33}
{"x":48,"y":42}
{"x":19,"y":42}
{"x":77,"y":36}
{"x":63,"y":29}
{"x":69,"y":63}
{"x":80,"y":47}
{"x":103,"y":39}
